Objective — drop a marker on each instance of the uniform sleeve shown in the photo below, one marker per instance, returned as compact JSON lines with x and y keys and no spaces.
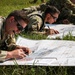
{"x":35,"y":22}
{"x":31,"y":9}
{"x":2,"y":55}
{"x":35,"y":8}
{"x":11,"y":43}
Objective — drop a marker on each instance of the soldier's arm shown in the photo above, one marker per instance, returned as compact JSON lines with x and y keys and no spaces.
{"x":12,"y":45}
{"x":11,"y":42}
{"x":16,"y":53}
{"x":3,"y":55}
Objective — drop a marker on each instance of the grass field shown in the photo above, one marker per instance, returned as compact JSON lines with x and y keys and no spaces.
{"x":6,"y":6}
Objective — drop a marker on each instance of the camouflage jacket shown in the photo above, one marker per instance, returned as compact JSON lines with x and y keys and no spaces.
{"x":67,"y":9}
{"x":36,"y":20}
{"x":7,"y":42}
{"x":61,"y":4}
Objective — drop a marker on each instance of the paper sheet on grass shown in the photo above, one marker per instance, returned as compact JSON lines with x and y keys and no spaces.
{"x":46,"y":53}
{"x":64,"y":29}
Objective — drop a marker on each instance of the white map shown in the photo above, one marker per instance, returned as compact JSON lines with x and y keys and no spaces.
{"x":46,"y":53}
{"x":63,"y":29}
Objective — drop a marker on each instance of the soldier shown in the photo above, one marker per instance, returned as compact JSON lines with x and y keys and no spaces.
{"x":15,"y":22}
{"x":67,"y":9}
{"x":37,"y":21}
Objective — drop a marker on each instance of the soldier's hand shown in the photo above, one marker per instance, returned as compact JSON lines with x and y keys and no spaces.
{"x":17,"y":53}
{"x":25,"y":49}
{"x":66,"y":21}
{"x":51,"y":32}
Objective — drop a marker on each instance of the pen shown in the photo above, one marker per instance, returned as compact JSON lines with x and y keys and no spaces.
{"x":48,"y":27}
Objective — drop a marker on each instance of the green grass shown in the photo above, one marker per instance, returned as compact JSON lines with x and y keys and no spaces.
{"x":36,"y":70}
{"x":6,"y":6}
{"x":33,"y":36}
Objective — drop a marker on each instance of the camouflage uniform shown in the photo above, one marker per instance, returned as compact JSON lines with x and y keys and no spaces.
{"x":37,"y":18}
{"x":7,"y":42}
{"x":67,"y":9}
{"x":36,"y":23}
{"x":31,"y":9}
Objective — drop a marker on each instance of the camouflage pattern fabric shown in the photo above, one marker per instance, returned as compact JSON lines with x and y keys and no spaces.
{"x":36,"y":20}
{"x":67,"y":9}
{"x":31,"y":9}
{"x":61,"y":4}
{"x":7,"y":42}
